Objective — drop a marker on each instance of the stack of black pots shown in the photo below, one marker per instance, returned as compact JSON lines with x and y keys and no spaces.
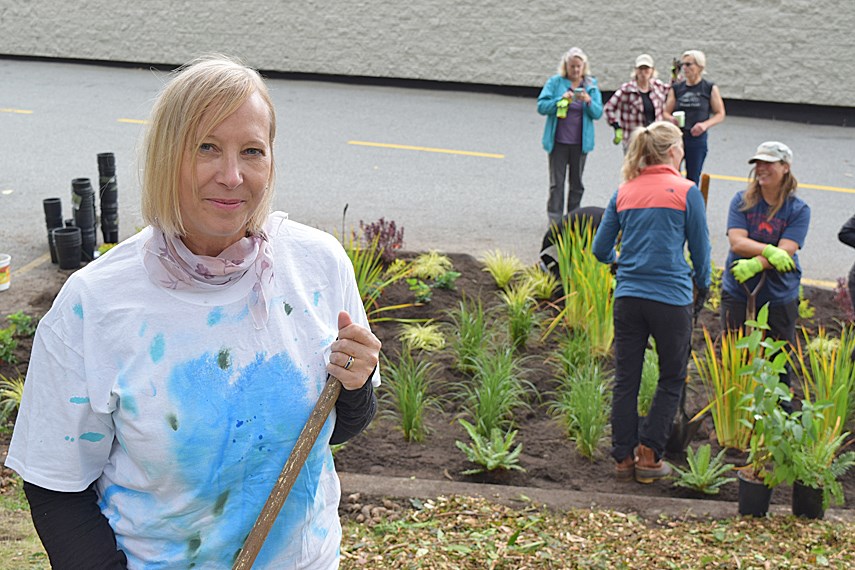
{"x":108,"y":197}
{"x":53,"y":220}
{"x":83,"y":212}
{"x":76,"y":241}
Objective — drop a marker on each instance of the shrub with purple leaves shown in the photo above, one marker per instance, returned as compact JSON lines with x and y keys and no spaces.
{"x":843,"y":300}
{"x":389,"y":238}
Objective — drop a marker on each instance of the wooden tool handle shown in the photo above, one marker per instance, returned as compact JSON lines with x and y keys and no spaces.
{"x":255,"y":540}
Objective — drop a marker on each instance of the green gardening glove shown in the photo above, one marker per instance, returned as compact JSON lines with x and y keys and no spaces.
{"x":618,"y":135}
{"x":745,"y":269}
{"x":779,"y":258}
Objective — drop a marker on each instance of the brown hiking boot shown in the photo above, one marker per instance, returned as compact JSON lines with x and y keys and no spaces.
{"x":647,"y":468}
{"x":625,"y":470}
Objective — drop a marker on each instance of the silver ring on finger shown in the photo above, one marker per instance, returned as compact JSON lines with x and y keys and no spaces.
{"x":349,"y":363}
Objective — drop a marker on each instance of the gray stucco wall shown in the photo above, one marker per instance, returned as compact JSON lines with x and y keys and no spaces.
{"x":793,"y":51}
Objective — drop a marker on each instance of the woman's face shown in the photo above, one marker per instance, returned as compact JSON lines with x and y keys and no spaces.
{"x":770,"y":175}
{"x":643,"y":74}
{"x":232,"y":170}
{"x":575,"y":67}
{"x":691,"y":70}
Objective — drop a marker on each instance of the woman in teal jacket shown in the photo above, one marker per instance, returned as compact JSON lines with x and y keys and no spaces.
{"x":571,"y":101}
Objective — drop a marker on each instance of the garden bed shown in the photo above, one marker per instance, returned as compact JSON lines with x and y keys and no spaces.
{"x":550,"y":460}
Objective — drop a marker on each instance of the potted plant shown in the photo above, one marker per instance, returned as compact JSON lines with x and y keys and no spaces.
{"x":806,"y":456}
{"x":766,"y":419}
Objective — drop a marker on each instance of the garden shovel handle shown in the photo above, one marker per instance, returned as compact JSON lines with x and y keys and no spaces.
{"x":751,"y":303}
{"x":255,"y":540}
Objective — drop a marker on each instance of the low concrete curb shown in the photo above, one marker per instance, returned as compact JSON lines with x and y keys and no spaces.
{"x":556,"y":499}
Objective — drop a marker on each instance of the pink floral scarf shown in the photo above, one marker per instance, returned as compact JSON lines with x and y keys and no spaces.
{"x":171,"y":265}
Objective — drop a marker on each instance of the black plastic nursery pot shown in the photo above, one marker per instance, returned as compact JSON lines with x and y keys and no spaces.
{"x":68,"y":243}
{"x":754,"y":497}
{"x":807,"y":502}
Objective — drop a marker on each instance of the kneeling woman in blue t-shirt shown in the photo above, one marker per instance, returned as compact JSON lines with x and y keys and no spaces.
{"x":766,"y":226}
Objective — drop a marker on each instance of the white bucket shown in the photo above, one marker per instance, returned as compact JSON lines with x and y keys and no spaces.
{"x":5,"y":270}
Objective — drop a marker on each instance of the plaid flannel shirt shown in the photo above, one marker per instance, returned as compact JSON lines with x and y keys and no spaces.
{"x":626,"y":108}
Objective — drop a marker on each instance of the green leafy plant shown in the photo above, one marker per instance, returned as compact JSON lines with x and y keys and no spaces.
{"x":713,"y":301}
{"x":494,"y":452}
{"x":726,"y":387}
{"x":806,"y":452}
{"x":11,"y":392}
{"x":705,"y":473}
{"x":767,"y":420}
{"x":805,"y":310}
{"x":542,"y":283}
{"x":828,"y":374}
{"x":649,"y":380}
{"x":422,"y":336}
{"x":582,"y":403}
{"x":446,"y":280}
{"x":469,"y":333}
{"x":105,"y":247}
{"x":497,"y":392}
{"x":407,"y":385}
{"x":503,"y":267}
{"x":421,"y":290}
{"x":431,"y":265}
{"x":8,"y":344}
{"x":24,"y":325}
{"x":520,"y":312}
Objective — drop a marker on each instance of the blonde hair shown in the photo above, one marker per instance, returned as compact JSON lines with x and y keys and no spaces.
{"x":210,"y":88}
{"x":574,"y":52}
{"x":648,"y":146}
{"x":753,"y":194}
{"x":697,"y":56}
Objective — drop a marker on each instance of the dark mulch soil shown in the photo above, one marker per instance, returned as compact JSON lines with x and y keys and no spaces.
{"x":550,"y":459}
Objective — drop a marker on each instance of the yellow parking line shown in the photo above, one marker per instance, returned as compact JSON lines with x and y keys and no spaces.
{"x":32,"y":265}
{"x":19,"y":111}
{"x":133,"y":121}
{"x":819,"y":283}
{"x":427,"y":149}
{"x":801,"y":184}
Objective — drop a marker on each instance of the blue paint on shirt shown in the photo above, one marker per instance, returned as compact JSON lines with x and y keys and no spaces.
{"x":158,"y":348}
{"x":78,"y":310}
{"x":215,"y":316}
{"x":215,"y":457}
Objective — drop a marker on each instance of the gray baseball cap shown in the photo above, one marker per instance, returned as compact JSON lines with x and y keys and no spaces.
{"x":772,"y":151}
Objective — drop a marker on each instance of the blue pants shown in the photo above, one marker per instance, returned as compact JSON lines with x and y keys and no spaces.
{"x":696,"y":154}
{"x":671,"y":327}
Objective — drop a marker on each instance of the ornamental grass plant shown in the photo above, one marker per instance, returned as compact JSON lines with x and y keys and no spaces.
{"x":720,"y":369}
{"x":496,"y":392}
{"x":828,"y":374}
{"x":372,"y":278}
{"x":422,"y":336}
{"x":407,"y":393}
{"x":582,"y":402}
{"x":503,"y":267}
{"x":469,"y":334}
{"x":519,"y":308}
{"x":588,"y":301}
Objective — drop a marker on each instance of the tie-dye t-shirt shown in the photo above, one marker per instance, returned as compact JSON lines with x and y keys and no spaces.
{"x":183,"y":412}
